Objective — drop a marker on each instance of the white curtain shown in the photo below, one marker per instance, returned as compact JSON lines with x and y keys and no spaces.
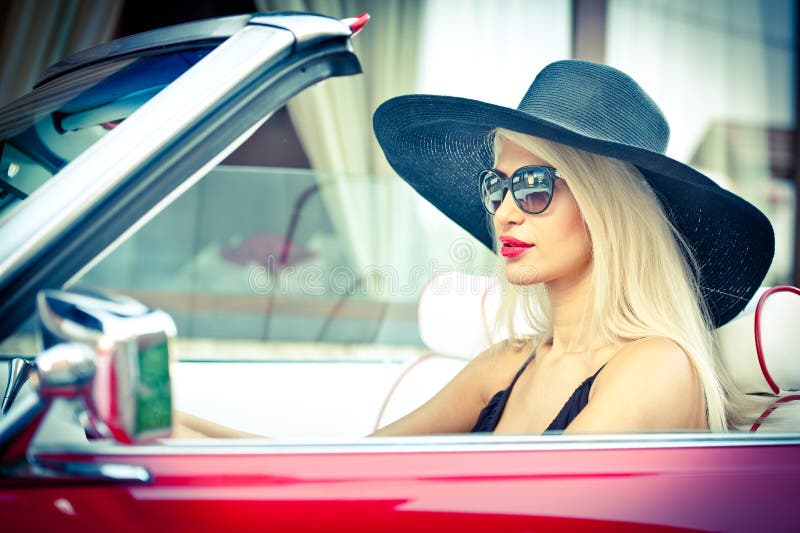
{"x":488,"y":51}
{"x":723,"y":72}
{"x":38,"y":33}
{"x":334,"y":122}
{"x":472,"y":48}
{"x":491,"y":51}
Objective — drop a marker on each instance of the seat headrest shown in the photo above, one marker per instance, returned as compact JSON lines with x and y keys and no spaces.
{"x":758,"y":348}
{"x":454,"y":313}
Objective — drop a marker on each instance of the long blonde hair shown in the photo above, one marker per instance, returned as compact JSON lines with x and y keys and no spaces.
{"x":642,"y":282}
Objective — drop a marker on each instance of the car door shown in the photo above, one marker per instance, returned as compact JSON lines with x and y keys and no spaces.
{"x":644,"y":483}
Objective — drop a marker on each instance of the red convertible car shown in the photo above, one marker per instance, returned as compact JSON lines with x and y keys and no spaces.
{"x":116,"y":178}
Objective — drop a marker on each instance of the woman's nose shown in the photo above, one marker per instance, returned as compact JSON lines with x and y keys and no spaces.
{"x":508,"y":212}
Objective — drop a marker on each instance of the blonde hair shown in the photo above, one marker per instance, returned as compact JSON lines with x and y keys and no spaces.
{"x":642,"y":282}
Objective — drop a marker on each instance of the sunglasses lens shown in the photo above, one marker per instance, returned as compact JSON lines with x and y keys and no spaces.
{"x":492,"y":191}
{"x":532,"y":190}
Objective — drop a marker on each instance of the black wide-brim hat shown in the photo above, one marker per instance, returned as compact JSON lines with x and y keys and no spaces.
{"x":439,"y":145}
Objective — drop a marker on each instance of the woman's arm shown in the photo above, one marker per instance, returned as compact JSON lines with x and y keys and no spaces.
{"x":455,"y":408}
{"x":649,"y":385}
{"x":186,"y":426}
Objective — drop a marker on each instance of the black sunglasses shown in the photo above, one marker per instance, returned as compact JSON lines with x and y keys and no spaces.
{"x":531,"y":187}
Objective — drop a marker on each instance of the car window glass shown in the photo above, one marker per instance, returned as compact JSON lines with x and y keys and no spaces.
{"x":46,"y":129}
{"x":278,"y":302}
{"x":286,"y":292}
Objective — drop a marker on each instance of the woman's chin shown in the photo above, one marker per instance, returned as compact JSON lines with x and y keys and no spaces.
{"x":522,"y":274}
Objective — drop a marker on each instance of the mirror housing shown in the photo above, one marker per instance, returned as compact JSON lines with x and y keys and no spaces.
{"x":128,"y":396}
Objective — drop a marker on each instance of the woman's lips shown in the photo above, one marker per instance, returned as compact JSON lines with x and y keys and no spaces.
{"x":512,"y":251}
{"x":512,"y":247}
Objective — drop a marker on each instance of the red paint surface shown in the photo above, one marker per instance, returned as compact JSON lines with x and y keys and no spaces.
{"x":705,"y":488}
{"x":16,"y":449}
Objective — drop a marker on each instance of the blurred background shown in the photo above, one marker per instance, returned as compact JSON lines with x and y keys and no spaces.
{"x":723,"y":71}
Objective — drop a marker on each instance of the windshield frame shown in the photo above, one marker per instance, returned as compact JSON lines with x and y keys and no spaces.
{"x":46,"y":240}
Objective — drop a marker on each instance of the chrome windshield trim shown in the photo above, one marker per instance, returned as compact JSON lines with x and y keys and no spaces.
{"x":308,"y":29}
{"x":440,"y":444}
{"x":178,"y":35}
{"x":60,"y":202}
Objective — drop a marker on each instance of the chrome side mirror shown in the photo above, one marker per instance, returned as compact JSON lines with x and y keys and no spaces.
{"x":64,"y":370}
{"x":109,"y":352}
{"x":131,"y":396}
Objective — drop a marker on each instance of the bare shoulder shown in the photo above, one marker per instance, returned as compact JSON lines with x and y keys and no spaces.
{"x":498,"y":364}
{"x":656,"y":357}
{"x":489,"y":372}
{"x":455,"y":408}
{"x":654,"y":366}
{"x":649,"y":384}
{"x":493,"y":370}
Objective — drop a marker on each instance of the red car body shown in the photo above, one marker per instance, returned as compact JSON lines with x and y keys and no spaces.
{"x":542,"y":485}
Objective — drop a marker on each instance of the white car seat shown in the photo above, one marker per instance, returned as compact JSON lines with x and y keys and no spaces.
{"x":758,"y":348}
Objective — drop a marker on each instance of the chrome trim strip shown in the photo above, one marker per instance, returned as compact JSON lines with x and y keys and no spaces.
{"x":83,"y":183}
{"x":80,"y":472}
{"x":308,"y":29}
{"x":450,"y":444}
{"x":178,"y":35}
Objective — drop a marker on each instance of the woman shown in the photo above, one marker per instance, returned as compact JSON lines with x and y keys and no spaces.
{"x":629,"y":258}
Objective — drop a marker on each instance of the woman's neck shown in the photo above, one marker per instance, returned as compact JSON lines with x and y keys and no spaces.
{"x":568,"y":299}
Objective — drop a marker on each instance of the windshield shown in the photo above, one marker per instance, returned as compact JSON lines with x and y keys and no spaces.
{"x":280,"y":282}
{"x":46,"y":129}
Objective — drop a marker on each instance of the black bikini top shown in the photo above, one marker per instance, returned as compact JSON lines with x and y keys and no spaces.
{"x":490,"y":415}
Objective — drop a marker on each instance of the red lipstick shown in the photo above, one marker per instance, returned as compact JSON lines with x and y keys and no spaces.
{"x":512,"y":247}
